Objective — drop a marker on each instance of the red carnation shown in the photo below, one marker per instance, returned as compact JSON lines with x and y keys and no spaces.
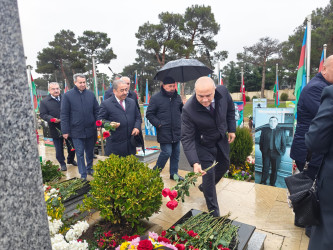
{"x":99,"y":123}
{"x":172,"y":204}
{"x":73,"y":149}
{"x":53,"y":120}
{"x":145,"y":245}
{"x":162,"y":239}
{"x":166,"y":192}
{"x":106,"y":134}
{"x":191,"y":233}
{"x":173,"y":194}
{"x":163,"y":233}
{"x":180,"y":246}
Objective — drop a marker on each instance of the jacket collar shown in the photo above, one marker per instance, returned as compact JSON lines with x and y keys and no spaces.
{"x":79,"y":90}
{"x":163,"y":91}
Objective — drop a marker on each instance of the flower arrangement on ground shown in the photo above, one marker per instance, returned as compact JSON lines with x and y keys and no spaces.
{"x":203,"y":231}
{"x":181,"y":189}
{"x":70,"y":239}
{"x":152,"y":241}
{"x":243,"y":172}
{"x":50,"y":171}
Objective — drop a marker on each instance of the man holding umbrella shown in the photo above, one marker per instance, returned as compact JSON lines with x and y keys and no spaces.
{"x":208,"y":126}
{"x":164,"y":112}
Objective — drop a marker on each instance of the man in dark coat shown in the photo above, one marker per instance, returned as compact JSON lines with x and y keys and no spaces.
{"x":123,"y":110}
{"x":50,"y":112}
{"x":164,"y":113}
{"x":307,"y":108}
{"x":208,"y":126}
{"x":319,"y":140}
{"x":109,"y":91}
{"x":79,"y":111}
{"x":272,"y":146}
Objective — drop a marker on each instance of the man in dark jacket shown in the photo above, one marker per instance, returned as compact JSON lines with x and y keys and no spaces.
{"x":208,"y":126}
{"x":123,"y":110}
{"x":164,"y":113}
{"x":272,"y":146}
{"x":307,"y":108}
{"x":50,"y":112}
{"x":79,"y":111}
{"x":109,"y":91}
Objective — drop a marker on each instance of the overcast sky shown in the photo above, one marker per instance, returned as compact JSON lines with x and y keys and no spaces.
{"x":242,"y":22}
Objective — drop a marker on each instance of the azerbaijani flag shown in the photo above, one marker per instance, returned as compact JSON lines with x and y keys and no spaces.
{"x":301,"y":73}
{"x":220,"y":78}
{"x":178,"y":88}
{"x":147,"y":94}
{"x":136,"y":85}
{"x":321,"y":61}
{"x":242,"y":90}
{"x":276,"y":92}
{"x":34,"y":95}
{"x":103,"y":89}
{"x":66,"y":87}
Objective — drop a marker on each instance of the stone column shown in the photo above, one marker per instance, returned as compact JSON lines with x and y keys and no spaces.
{"x":23,"y":218}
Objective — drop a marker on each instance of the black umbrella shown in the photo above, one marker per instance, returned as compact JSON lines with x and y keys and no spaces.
{"x":183,"y":70}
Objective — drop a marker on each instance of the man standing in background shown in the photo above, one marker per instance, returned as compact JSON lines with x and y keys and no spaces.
{"x":50,"y":112}
{"x":79,"y":111}
{"x":164,"y":112}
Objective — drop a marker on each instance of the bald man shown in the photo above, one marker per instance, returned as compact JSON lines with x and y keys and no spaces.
{"x":307,"y":108}
{"x":208,"y":126}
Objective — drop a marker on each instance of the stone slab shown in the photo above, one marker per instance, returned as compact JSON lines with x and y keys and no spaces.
{"x":256,"y":242}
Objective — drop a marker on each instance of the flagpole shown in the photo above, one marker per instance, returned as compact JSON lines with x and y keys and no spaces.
{"x":95,"y":77}
{"x":308,"y":48}
{"x":325,"y":47}
{"x":218,"y":74}
{"x":242,"y":80}
{"x":31,"y":94}
{"x":277,"y":102}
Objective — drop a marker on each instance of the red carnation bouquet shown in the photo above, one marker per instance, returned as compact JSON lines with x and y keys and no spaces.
{"x":108,"y":126}
{"x":179,"y":191}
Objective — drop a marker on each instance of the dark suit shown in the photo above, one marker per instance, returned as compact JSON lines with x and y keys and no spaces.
{"x":319,"y":140}
{"x":119,"y":142}
{"x":50,"y":108}
{"x":272,"y":147}
{"x":204,"y":138}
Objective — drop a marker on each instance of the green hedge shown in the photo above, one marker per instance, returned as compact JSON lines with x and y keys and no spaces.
{"x":242,"y":147}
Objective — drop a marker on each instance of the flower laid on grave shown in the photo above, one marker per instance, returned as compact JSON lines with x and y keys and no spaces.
{"x":55,"y":195}
{"x":203,"y":231}
{"x":50,"y":171}
{"x":70,"y":239}
{"x":152,"y":241}
{"x":181,"y":189}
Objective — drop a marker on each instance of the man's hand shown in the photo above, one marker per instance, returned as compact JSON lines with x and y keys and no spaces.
{"x":231,"y":137}
{"x":65,"y":136}
{"x":135,"y":131}
{"x":57,"y":120}
{"x":99,"y":129}
{"x":197,"y":169}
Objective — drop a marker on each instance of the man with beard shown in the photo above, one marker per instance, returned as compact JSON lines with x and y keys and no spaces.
{"x":164,"y":113}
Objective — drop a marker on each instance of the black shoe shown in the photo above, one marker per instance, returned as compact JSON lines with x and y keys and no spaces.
{"x":200,"y":188}
{"x":74,"y":163}
{"x":63,"y":167}
{"x":179,"y":177}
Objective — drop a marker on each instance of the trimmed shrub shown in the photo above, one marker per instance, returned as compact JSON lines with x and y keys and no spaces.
{"x":254,"y":97}
{"x":50,"y":171}
{"x":124,"y":190}
{"x":242,"y":147}
{"x":284,"y":97}
{"x":247,"y":98}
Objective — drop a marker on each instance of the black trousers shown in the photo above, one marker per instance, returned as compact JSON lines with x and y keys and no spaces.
{"x":59,"y":147}
{"x":210,"y":180}
{"x":271,"y":158}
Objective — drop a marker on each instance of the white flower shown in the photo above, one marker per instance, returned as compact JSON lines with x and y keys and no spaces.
{"x":54,"y":225}
{"x":76,"y":230}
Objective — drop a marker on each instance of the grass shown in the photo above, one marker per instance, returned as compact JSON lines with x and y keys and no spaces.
{"x":248,"y":109}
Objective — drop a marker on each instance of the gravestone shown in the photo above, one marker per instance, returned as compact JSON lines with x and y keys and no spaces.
{"x":23,"y":218}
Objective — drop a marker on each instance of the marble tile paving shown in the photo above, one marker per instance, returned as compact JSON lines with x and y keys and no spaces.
{"x":265,"y":207}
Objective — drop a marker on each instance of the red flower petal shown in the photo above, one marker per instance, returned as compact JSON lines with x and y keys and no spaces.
{"x":166,"y":192}
{"x":106,"y":134}
{"x":53,"y":120}
{"x":99,"y":123}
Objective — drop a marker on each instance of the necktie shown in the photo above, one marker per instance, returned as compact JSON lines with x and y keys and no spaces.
{"x":211,"y":109}
{"x":121,"y":104}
